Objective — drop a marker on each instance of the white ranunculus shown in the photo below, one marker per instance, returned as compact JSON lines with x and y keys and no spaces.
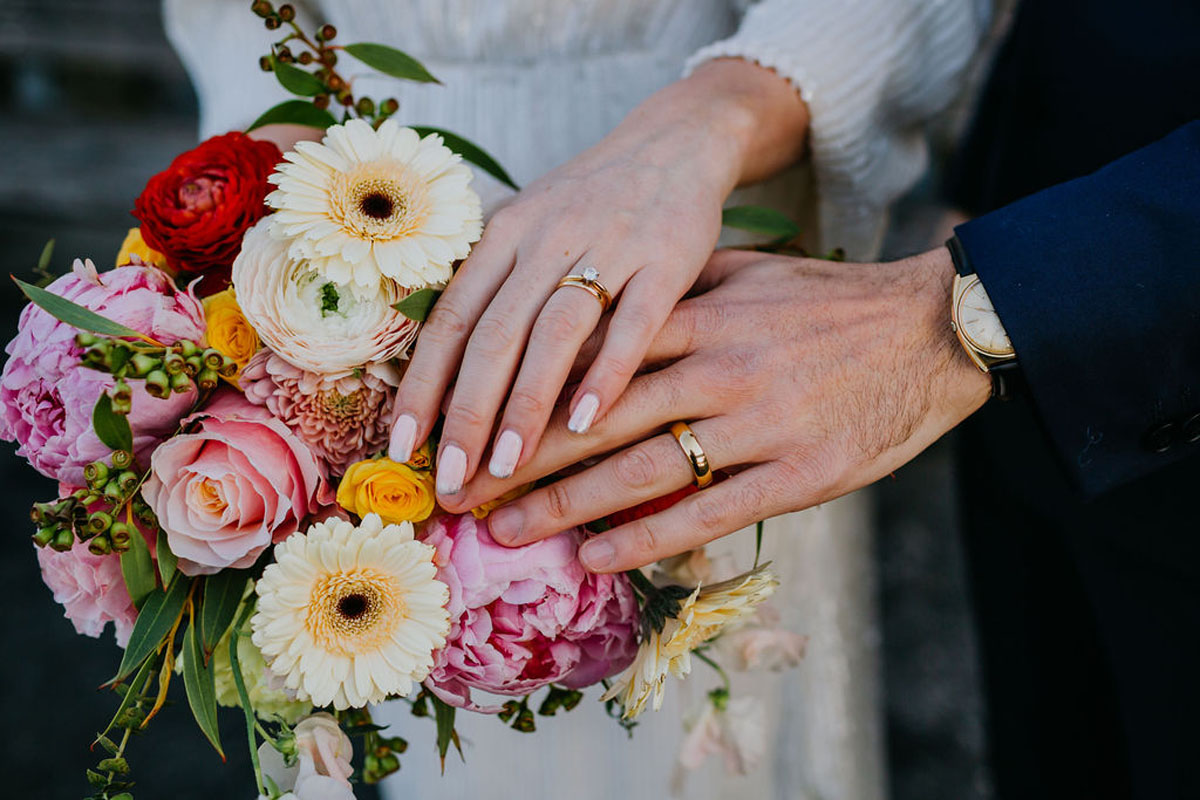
{"x":311,"y":322}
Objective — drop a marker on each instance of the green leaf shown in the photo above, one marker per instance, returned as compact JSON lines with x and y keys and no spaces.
{"x":166,"y":558}
{"x":296,"y":80}
{"x":418,"y":304}
{"x":470,"y":152}
{"x":222,"y":594}
{"x":138,"y":569}
{"x":757,"y":219}
{"x":295,"y":112}
{"x":391,"y":61}
{"x":74,"y":314}
{"x":132,"y":691}
{"x":42,"y":270}
{"x":444,"y":715}
{"x":201,"y":690}
{"x":111,"y":428}
{"x":154,"y":622}
{"x":758,"y":537}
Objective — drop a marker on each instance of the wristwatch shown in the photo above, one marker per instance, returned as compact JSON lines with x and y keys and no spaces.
{"x":978,"y":326}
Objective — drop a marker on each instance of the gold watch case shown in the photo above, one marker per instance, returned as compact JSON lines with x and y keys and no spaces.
{"x":983,"y":350}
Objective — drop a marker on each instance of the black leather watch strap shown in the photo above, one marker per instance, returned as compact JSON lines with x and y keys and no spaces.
{"x":1006,"y":375}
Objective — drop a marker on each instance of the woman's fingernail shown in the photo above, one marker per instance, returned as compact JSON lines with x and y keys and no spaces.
{"x":505,"y":455}
{"x":584,"y":413}
{"x":404,"y":438}
{"x":506,"y":524}
{"x":451,"y":469}
{"x":597,"y":554}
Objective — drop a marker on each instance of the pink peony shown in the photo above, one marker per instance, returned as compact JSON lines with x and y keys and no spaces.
{"x":342,"y":419}
{"x":236,"y":482}
{"x":90,"y":588}
{"x":525,"y":617}
{"x":46,"y":397}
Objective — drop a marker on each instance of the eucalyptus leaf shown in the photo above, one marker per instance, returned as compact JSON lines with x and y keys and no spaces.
{"x":444,"y":715}
{"x":223,"y":593}
{"x":198,"y":680}
{"x":74,"y":314}
{"x":761,"y":220}
{"x":239,"y":683}
{"x":166,"y":558}
{"x":296,"y":80}
{"x":111,"y":428}
{"x":295,"y":112}
{"x":42,"y":270}
{"x":391,"y":61}
{"x":138,"y":570}
{"x":132,"y":691}
{"x":470,"y":152}
{"x":154,"y":622}
{"x":418,"y":304}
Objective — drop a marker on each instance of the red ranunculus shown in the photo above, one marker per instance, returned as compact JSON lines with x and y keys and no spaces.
{"x":196,"y":211}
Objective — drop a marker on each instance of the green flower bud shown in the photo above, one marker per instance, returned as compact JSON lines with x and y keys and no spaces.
{"x":96,"y":475}
{"x":122,"y":459}
{"x":100,"y":546}
{"x":64,"y":540}
{"x":158,"y":384}
{"x":45,"y":536}
{"x":181,"y":383}
{"x":207,"y":379}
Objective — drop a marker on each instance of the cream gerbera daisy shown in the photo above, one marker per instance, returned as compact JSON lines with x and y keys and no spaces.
{"x":367,"y":204}
{"x":706,"y":613}
{"x":351,"y":615}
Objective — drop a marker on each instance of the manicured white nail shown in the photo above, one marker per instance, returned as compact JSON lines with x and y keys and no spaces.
{"x":404,"y":438}
{"x":506,"y":454}
{"x":451,"y":470}
{"x":584,"y":413}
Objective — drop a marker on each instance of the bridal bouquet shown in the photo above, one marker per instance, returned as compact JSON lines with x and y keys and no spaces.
{"x":215,"y":409}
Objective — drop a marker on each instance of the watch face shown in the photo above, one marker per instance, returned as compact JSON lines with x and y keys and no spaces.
{"x":979,"y":322}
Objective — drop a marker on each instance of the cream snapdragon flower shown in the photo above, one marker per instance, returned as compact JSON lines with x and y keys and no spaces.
{"x":367,"y":204}
{"x":308,"y":320}
{"x":351,"y":615}
{"x":703,"y":615}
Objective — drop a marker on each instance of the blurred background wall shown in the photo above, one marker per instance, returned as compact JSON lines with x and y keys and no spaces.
{"x":92,"y":102}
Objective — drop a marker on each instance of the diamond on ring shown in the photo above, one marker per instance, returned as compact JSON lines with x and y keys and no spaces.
{"x":590,"y":274}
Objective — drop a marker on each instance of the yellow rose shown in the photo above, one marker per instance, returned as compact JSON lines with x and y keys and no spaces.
{"x":396,"y":492}
{"x":423,"y":458}
{"x":482,"y":511}
{"x":228,"y":331}
{"x":135,"y":245}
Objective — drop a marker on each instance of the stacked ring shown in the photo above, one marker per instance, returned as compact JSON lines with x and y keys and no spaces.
{"x":697,"y":458}
{"x":589,"y":281}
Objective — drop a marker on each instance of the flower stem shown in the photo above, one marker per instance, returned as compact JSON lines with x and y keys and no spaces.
{"x":699,"y":653}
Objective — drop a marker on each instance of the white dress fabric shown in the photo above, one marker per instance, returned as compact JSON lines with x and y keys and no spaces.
{"x":537,"y":81}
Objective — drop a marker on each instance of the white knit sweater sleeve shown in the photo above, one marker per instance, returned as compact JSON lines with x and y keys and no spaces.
{"x":873,"y":72}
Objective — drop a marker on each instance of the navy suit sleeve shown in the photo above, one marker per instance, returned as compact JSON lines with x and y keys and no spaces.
{"x":1097,"y":282}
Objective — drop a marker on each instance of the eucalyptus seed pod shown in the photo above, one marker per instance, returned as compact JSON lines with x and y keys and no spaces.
{"x":365,"y":106}
{"x":272,"y":23}
{"x":193,"y":365}
{"x":158,"y":384}
{"x":264,"y":63}
{"x":329,"y":58}
{"x":213,"y":358}
{"x":113,"y":492}
{"x":396,"y":744}
{"x":45,"y":536}
{"x":262,"y":8}
{"x":387,"y":765}
{"x":119,"y":535}
{"x":321,"y":101}
{"x":228,"y":368}
{"x":207,"y":379}
{"x":64,"y":540}
{"x":96,"y":475}
{"x":98,"y":522}
{"x":100,"y":546}
{"x":327,"y":33}
{"x":122,"y":398}
{"x":40,"y":514}
{"x":181,"y":383}
{"x":287,"y":13}
{"x":128,"y":481}
{"x":390,"y":106}
{"x":305,"y":57}
{"x":187,"y":348}
{"x":143,"y":364}
{"x":122,"y":459}
{"x":86,"y":340}
{"x":145,"y":515}
{"x":78,"y":515}
{"x":345,"y":97}
{"x":173,"y":363}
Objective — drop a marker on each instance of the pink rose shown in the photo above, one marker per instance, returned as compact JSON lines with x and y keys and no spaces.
{"x":238,"y":481}
{"x":46,"y":397}
{"x":525,"y":617}
{"x":90,"y":588}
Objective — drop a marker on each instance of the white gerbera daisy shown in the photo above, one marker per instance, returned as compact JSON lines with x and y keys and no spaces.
{"x":351,"y":615}
{"x":704,"y":615}
{"x":367,"y":204}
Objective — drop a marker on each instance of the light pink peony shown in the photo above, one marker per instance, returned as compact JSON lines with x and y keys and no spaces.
{"x":342,"y":419}
{"x":90,"y":588}
{"x":525,"y":617}
{"x":46,"y":397}
{"x":236,"y":482}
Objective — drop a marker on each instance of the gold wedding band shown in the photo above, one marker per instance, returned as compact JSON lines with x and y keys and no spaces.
{"x":589,"y":281}
{"x":694,"y":452}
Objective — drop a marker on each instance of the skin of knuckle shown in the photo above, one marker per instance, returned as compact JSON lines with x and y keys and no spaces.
{"x":446,"y":323}
{"x":739,"y":369}
{"x":634,"y":469}
{"x":492,"y":335}
{"x":556,"y":324}
{"x":525,"y":403}
{"x":643,"y":539}
{"x":462,"y":417}
{"x":556,"y":503}
{"x":707,"y":513}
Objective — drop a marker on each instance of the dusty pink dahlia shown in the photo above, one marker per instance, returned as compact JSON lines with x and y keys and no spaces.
{"x":342,"y":420}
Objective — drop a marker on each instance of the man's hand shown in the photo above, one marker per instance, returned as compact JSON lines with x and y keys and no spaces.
{"x":805,"y":379}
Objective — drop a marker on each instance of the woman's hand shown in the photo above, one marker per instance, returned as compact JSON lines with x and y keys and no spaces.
{"x":643,"y":207}
{"x":805,"y":379}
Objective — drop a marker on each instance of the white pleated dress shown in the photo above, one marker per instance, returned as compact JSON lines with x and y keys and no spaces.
{"x":537,"y":81}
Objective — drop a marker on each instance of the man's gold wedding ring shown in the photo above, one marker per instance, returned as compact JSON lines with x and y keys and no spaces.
{"x":589,"y":281}
{"x":696,"y":456}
